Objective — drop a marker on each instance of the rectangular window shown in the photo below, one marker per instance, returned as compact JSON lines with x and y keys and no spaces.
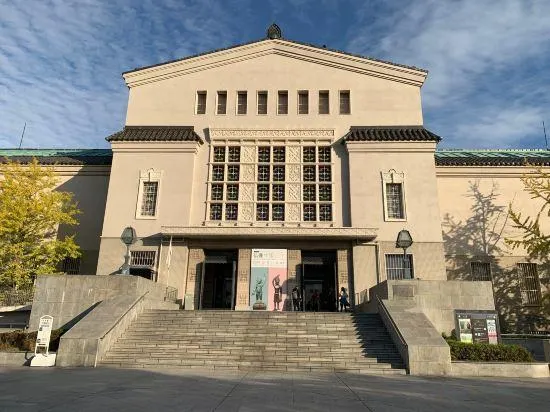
{"x":218,"y":173}
{"x":529,"y":284}
{"x":233,"y":173}
{"x":309,"y":154}
{"x":264,"y":154}
{"x":282,"y":103}
{"x":310,"y":212}
{"x":231,"y":211}
{"x":143,"y":258}
{"x":219,"y":154}
{"x":325,"y":213}
{"x":325,"y":174}
{"x":325,"y":193}
{"x":234,"y":154}
{"x":71,"y":266}
{"x":262,"y":212}
{"x":278,"y":173}
{"x":323,"y":102}
{"x":394,"y":201}
{"x":278,"y":193}
{"x":309,"y":173}
{"x":279,"y":153}
{"x":278,"y":212}
{"x":394,"y":267}
{"x":222,"y":103}
{"x":232,"y":192}
{"x":263,"y":193}
{"x":216,"y":211}
{"x":262,"y":102}
{"x":324,"y":154}
{"x":217,"y":192}
{"x":149,"y":198}
{"x":303,"y":102}
{"x":309,"y":193}
{"x":201,"y":102}
{"x":263,"y":173}
{"x":345,"y":104}
{"x":480,"y":271}
{"x":242,"y":102}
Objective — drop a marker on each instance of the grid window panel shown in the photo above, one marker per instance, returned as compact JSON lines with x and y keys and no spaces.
{"x":309,"y":193}
{"x":262,"y":194}
{"x":279,"y":154}
{"x":323,"y":102}
{"x":325,"y":174}
{"x":222,"y":103}
{"x":310,"y":213}
{"x":242,"y":102}
{"x":394,"y":200}
{"x":303,"y":102}
{"x":71,"y":266}
{"x":219,"y":154}
{"x":218,"y":173}
{"x":264,"y":154}
{"x":529,"y":284}
{"x":234,"y":154}
{"x":278,"y":173}
{"x":233,"y":173}
{"x":308,"y":154}
{"x":278,"y":212}
{"x":216,"y":211}
{"x":394,"y":267}
{"x":231,"y":211}
{"x":324,"y":154}
{"x":263,"y":173}
{"x":143,"y":258}
{"x":345,"y":104}
{"x":201,"y":102}
{"x":262,"y":102}
{"x":278,"y":193}
{"x":481,"y":271}
{"x":149,"y":198}
{"x":232,"y":192}
{"x":282,"y":106}
{"x":309,"y":173}
{"x":262,"y":212}
{"x":325,"y":193}
{"x":217,"y":192}
{"x":325,"y":213}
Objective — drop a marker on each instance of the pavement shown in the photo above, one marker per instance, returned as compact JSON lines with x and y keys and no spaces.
{"x":103,"y":389}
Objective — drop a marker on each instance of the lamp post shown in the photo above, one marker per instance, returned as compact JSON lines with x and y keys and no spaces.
{"x":404,"y":241}
{"x":128,"y":237}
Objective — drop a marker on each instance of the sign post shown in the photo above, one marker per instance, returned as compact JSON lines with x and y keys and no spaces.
{"x":44,"y":358}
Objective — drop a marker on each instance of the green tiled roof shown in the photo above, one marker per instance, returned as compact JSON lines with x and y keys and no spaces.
{"x":502,"y":157}
{"x":59,"y":156}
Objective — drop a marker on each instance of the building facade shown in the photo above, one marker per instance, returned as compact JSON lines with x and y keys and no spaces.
{"x":249,"y":171}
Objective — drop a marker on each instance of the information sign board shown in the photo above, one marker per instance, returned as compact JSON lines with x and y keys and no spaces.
{"x":477,"y":326}
{"x":268,"y":279}
{"x":44,"y":333}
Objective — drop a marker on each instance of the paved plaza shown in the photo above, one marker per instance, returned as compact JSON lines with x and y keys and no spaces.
{"x":26,"y":389}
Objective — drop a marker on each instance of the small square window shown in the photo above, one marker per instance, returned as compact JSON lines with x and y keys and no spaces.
{"x":324,"y":102}
{"x":232,"y":192}
{"x":263,"y":193}
{"x":263,"y":173}
{"x":279,"y":154}
{"x":309,"y":193}
{"x":325,"y":193}
{"x":399,"y":268}
{"x":309,"y":173}
{"x":325,"y":174}
{"x":262,"y":102}
{"x":216,"y":211}
{"x":219,"y":154}
{"x":303,"y":102}
{"x":262,"y":212}
{"x":282,"y":106}
{"x":218,"y":173}
{"x":309,"y":154}
{"x":222,"y":103}
{"x":278,"y":212}
{"x":345,"y":104}
{"x":233,"y":173}
{"x":231,"y":211}
{"x":234,"y":154}
{"x":324,"y":154}
{"x":481,"y":271}
{"x":201,"y":102}
{"x":217,"y":192}
{"x":278,"y":173}
{"x":242,"y":102}
{"x":278,"y":193}
{"x":325,"y":213}
{"x":310,"y":213}
{"x":264,"y":154}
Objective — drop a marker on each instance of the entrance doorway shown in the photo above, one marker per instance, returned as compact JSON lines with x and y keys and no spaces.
{"x":319,"y":284}
{"x":218,"y":283}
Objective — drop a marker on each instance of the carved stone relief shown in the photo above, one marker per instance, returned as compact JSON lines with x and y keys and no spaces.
{"x":293,"y":194}
{"x":248,"y":173}
{"x":248,"y":154}
{"x":293,"y":154}
{"x":246,"y":192}
{"x":246,"y":212}
{"x":293,"y":173}
{"x":293,"y":212}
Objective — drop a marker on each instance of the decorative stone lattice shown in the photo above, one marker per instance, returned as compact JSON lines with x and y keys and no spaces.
{"x":293,"y":173}
{"x":293,"y":213}
{"x":293,"y":154}
{"x":248,"y":173}
{"x":293,"y":192}
{"x":246,"y":212}
{"x":248,"y":154}
{"x":247,"y":192}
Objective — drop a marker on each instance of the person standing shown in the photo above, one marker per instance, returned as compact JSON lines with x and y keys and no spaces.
{"x":295,"y":299}
{"x":344,"y":302}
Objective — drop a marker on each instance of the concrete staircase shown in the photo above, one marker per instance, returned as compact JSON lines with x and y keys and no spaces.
{"x":271,"y":341}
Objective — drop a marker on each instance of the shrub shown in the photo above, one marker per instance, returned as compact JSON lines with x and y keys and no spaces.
{"x":484,"y":352}
{"x":19,"y":340}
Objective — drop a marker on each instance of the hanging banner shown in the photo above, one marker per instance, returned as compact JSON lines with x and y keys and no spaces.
{"x":268,"y":280}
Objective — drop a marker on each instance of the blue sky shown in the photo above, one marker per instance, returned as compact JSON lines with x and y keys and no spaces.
{"x":61,"y":60}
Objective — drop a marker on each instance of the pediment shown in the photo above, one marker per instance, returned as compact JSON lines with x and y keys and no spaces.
{"x":280,"y":47}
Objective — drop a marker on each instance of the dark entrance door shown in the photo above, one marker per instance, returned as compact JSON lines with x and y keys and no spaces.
{"x":319,"y":286}
{"x":218,"y":286}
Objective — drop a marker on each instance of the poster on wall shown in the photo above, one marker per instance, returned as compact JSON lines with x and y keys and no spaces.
{"x":477,"y":326}
{"x":465,"y":328}
{"x":268,"y":280}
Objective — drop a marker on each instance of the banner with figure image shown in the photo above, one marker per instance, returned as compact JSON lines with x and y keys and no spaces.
{"x":268,"y":279}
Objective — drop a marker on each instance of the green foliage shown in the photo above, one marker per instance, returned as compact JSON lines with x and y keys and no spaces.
{"x":484,"y":352}
{"x":31,"y":211}
{"x":25,"y":341}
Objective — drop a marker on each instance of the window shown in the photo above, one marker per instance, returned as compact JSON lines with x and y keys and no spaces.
{"x":325,"y":213}
{"x":263,"y":173}
{"x":481,"y":271}
{"x":394,"y":200}
{"x":71,"y":266}
{"x":309,"y":154}
{"x":222,"y":103}
{"x":325,"y":174}
{"x":262,"y":211}
{"x":263,"y":193}
{"x":309,"y":193}
{"x":149,"y":198}
{"x":264,"y":154}
{"x":278,"y":173}
{"x":233,"y":173}
{"x":218,"y":173}
{"x":143,"y":258}
{"x":219,"y":154}
{"x":529,"y":285}
{"x":345,"y":104}
{"x":278,"y":212}
{"x":262,"y":102}
{"x":234,"y":154}
{"x":224,"y":183}
{"x":324,"y":154}
{"x":303,"y":102}
{"x":323,"y":102}
{"x":394,"y":267}
{"x":231,"y":211}
{"x":217,"y":192}
{"x":309,"y":173}
{"x":232,"y":192}
{"x":278,"y":193}
{"x":282,"y":104}
{"x":279,"y":154}
{"x":201,"y":102}
{"x":310,"y":213}
{"x":216,"y":211}
{"x":242,"y":102}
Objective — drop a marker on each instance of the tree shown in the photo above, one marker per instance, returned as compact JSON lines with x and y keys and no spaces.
{"x":31,"y":211}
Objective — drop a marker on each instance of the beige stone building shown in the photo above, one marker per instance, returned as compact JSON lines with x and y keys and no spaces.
{"x":275,"y":164}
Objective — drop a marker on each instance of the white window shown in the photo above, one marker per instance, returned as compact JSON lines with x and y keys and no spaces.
{"x":324,"y":107}
{"x":222,"y":103}
{"x":71,"y":266}
{"x":242,"y":102}
{"x":262,"y":102}
{"x":282,"y":104}
{"x":393,"y":195}
{"x":345,"y":102}
{"x":303,"y":102}
{"x":480,"y":271}
{"x":148,"y":195}
{"x":201,"y":102}
{"x":529,"y":284}
{"x":399,"y":267}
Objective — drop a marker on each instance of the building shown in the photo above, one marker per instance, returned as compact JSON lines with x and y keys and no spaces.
{"x":250,"y":170}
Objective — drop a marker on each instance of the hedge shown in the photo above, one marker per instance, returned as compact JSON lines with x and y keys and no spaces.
{"x":484,"y":352}
{"x":19,"y":340}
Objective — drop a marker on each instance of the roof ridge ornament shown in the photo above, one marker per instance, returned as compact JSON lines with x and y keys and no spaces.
{"x":274,"y":32}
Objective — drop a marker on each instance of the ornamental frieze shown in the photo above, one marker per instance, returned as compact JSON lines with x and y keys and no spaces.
{"x":270,"y":133}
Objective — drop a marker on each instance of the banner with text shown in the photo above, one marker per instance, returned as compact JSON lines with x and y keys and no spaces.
{"x":268,"y":279}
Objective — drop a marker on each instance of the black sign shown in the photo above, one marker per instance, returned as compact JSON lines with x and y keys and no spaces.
{"x":477,"y":326}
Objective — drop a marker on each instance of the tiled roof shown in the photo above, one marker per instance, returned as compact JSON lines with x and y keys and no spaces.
{"x":155,"y":134}
{"x":390,"y":134}
{"x":58,"y":156}
{"x":287,"y":40}
{"x":503,"y":157}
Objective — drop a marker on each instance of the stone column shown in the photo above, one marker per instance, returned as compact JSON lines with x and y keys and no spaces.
{"x":294,"y":257}
{"x":343,"y":268}
{"x":243,"y":279}
{"x":194,"y":273}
